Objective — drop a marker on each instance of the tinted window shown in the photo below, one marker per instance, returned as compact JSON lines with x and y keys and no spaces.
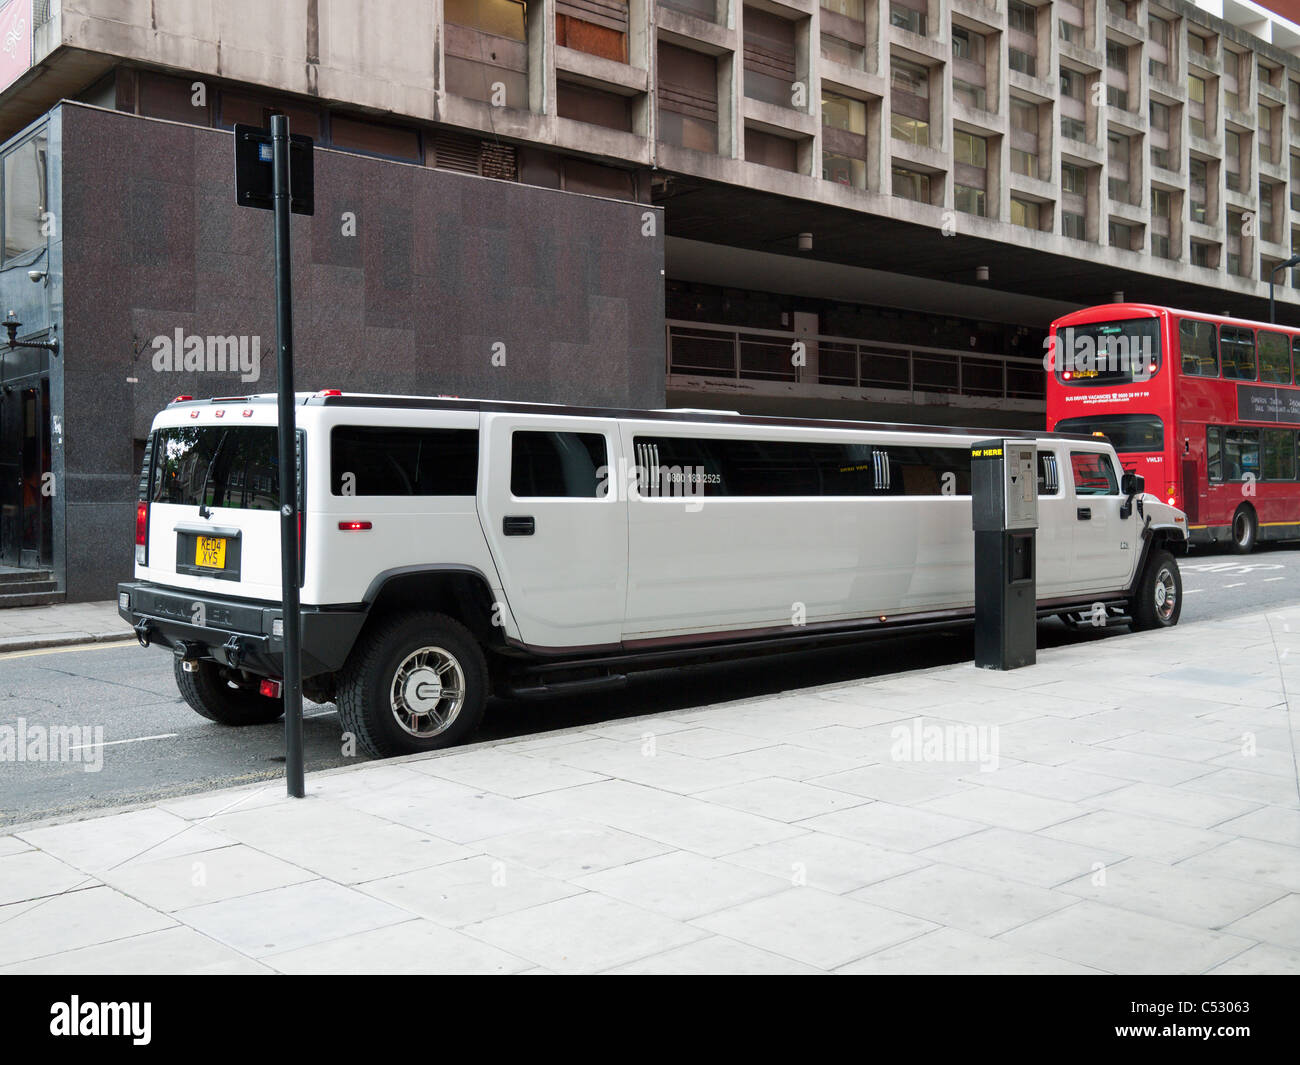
{"x":1279,"y":454}
{"x":379,"y":461}
{"x":554,"y":465}
{"x":1125,"y":432}
{"x":1274,"y":358}
{"x":1093,"y":474}
{"x":1214,"y":453}
{"x":789,"y":468}
{"x":226,"y":467}
{"x":1199,"y":348}
{"x":1108,"y":353}
{"x":1238,"y":350}
{"x":1240,"y":454}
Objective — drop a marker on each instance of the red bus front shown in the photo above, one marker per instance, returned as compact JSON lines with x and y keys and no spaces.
{"x":1110,"y":372}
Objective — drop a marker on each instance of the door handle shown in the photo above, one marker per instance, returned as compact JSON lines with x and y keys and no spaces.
{"x":518,"y":526}
{"x":1084,"y":513}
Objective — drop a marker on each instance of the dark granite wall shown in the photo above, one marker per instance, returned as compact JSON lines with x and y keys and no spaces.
{"x":443,"y":268}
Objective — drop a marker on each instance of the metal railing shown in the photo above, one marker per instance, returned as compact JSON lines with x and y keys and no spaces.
{"x":768,"y":355}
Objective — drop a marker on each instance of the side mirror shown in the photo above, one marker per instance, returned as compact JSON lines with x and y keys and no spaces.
{"x":1131,"y":484}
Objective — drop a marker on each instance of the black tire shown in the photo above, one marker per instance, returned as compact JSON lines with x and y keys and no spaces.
{"x":210,"y":695}
{"x":1245,"y":529}
{"x":370,"y":707}
{"x":1161,"y":579}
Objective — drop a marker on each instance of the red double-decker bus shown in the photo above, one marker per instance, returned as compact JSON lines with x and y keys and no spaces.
{"x":1205,"y":408}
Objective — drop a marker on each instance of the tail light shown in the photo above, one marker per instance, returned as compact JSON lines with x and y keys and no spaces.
{"x":270,"y":688}
{"x":142,"y":533}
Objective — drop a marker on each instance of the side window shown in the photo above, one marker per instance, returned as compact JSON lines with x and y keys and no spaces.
{"x":1200,"y":353}
{"x":1279,"y":454}
{"x":1274,"y":358}
{"x":1238,"y":349}
{"x":929,"y":471}
{"x":1049,"y":476}
{"x":558,"y":465}
{"x":1240,"y":454}
{"x":1093,"y":474}
{"x":368,"y":460}
{"x":1214,"y":453}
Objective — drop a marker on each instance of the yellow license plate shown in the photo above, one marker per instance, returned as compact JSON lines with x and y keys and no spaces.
{"x":210,"y":551}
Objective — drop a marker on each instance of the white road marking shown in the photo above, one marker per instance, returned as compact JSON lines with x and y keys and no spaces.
{"x":1239,"y":584}
{"x":138,"y":739}
{"x":99,"y":645}
{"x":1191,"y":591}
{"x":1268,"y":579}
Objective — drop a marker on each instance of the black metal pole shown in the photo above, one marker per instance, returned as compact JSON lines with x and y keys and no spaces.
{"x":1271,"y":278}
{"x":293,"y":762}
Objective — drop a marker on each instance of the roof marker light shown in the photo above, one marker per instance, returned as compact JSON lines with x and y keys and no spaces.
{"x":182,"y":399}
{"x":325,"y":392}
{"x":354,"y":526}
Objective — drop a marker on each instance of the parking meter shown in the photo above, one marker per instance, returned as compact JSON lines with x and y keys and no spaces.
{"x":1004,"y":506}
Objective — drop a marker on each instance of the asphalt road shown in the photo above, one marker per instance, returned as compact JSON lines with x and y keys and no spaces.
{"x":156,"y":747}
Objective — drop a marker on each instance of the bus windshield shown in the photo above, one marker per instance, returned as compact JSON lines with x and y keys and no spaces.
{"x":1108,"y":353}
{"x":1126,"y":432}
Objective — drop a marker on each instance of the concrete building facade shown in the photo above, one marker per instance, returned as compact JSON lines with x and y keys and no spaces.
{"x":869,"y":208}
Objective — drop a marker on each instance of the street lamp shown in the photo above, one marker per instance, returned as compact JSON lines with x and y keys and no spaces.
{"x":1293,"y":261}
{"x":12,"y":325}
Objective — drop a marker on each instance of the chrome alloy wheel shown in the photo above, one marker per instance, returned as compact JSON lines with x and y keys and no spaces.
{"x":1166,"y":594}
{"x":427,"y":692}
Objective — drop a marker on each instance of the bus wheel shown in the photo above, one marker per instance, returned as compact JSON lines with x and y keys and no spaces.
{"x":1245,"y":529}
{"x":1160,"y":593}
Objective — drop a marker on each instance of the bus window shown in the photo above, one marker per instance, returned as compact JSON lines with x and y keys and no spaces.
{"x":1240,"y":454}
{"x":1214,"y":453}
{"x":1295,"y":351}
{"x":1200,"y":352}
{"x":1093,"y":474}
{"x":1238,"y":347}
{"x":1107,"y":353}
{"x":1126,"y":432}
{"x":1279,"y":454}
{"x":1274,"y":358}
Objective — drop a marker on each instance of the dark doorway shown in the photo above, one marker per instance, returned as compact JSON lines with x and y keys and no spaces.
{"x":26,"y":488}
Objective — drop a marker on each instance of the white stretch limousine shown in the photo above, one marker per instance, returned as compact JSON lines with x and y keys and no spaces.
{"x":455,"y":548}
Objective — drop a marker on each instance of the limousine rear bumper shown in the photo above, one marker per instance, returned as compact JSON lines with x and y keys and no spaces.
{"x":238,"y":633}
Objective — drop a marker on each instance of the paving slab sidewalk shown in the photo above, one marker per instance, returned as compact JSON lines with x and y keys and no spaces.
{"x":1126,"y":807}
{"x":29,"y":628}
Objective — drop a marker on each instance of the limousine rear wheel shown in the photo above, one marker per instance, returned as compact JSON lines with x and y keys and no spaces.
{"x":415,"y":682}
{"x":1160,"y":593}
{"x":212,"y":696}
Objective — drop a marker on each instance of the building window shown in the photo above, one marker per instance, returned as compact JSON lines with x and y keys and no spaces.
{"x":969,"y":149}
{"x":25,"y":196}
{"x":1159,"y":121}
{"x":838,"y":50}
{"x":1073,"y":179}
{"x":1025,"y":213}
{"x":767,"y":149}
{"x":1295,"y":183}
{"x":494,"y":57}
{"x":1232,"y":160}
{"x":392,"y":141}
{"x":1074,"y":129}
{"x":1073,"y":225}
{"x":1264,"y":129}
{"x":1120,"y":235}
{"x":908,"y":15}
{"x":1022,"y":50}
{"x":1198,"y":183}
{"x":1202,"y":254}
{"x":967,"y":44}
{"x":844,"y":142}
{"x":1161,"y":223}
{"x":1196,"y":105}
{"x":1158,"y":48}
{"x":911,"y":185}
{"x":1070,"y":22}
{"x":970,"y":94}
{"x":1236,"y":261}
{"x":909,"y":98}
{"x":1266,"y":210}
{"x":1231,"y":80}
{"x":585,"y":104}
{"x":1200,"y":45}
{"x":969,"y":200}
{"x":769,"y":57}
{"x":1024,"y":138}
{"x":688,"y":98}
{"x":1118,"y":161}
{"x":1117,"y":75}
{"x":597,"y":29}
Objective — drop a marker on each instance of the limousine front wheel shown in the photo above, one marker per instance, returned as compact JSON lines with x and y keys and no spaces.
{"x":416,"y":682}
{"x":1160,"y":593}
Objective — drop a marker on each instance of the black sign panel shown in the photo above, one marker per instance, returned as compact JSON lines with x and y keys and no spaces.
{"x":1260,"y":403}
{"x":253,"y":171}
